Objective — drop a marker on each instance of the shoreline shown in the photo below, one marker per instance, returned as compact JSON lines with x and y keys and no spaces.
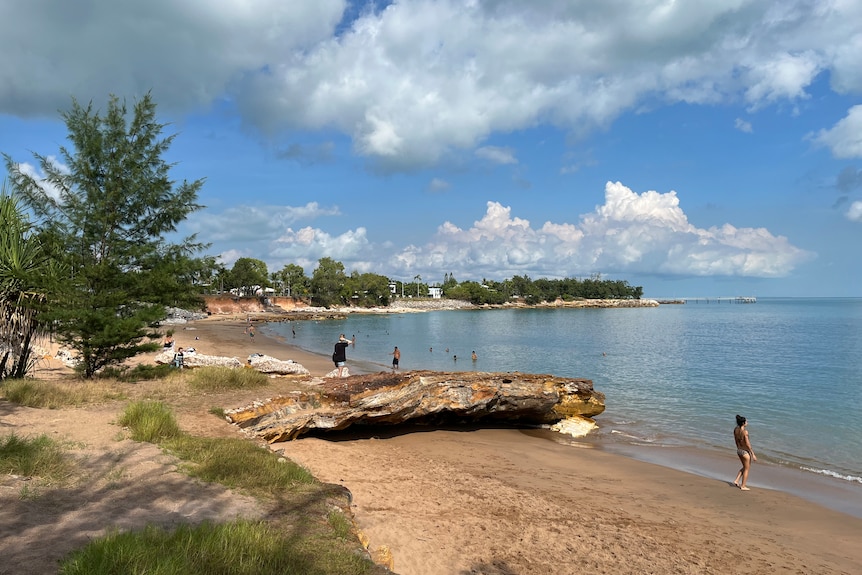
{"x":505,"y":499}
{"x":831,"y":493}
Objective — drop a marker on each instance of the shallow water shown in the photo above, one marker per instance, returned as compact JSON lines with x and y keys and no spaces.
{"x":674,"y":376}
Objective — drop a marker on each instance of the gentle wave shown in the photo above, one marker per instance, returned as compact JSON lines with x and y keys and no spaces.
{"x":851,"y":478}
{"x":632,"y":437}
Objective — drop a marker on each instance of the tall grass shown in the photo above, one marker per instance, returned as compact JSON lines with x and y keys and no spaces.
{"x":224,"y":378}
{"x":56,"y":395}
{"x":140,"y":372}
{"x":238,"y":548}
{"x":34,"y":457}
{"x":238,"y":463}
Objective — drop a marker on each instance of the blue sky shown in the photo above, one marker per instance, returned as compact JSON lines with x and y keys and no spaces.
{"x":693,"y":148}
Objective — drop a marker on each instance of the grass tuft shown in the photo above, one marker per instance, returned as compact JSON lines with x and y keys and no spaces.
{"x":238,"y":463}
{"x":150,"y":421}
{"x":33,"y":457}
{"x":341,"y":525}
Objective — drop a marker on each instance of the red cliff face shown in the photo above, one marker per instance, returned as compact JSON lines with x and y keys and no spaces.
{"x":232,"y":305}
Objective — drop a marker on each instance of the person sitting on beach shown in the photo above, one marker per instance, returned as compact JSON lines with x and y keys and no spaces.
{"x":169,"y":341}
{"x":744,"y":451}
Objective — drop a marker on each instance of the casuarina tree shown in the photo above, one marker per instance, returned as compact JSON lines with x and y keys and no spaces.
{"x":108,"y":205}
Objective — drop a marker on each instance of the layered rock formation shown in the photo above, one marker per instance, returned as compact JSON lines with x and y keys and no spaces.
{"x":424,"y":397}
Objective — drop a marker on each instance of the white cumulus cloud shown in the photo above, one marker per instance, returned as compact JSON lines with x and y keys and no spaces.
{"x":630,"y":233}
{"x":844,"y":139}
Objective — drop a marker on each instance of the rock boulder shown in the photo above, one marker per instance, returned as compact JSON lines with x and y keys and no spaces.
{"x":425,"y":397}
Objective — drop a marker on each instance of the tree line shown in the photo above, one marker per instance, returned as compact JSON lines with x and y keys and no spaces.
{"x":329,"y":285}
{"x":84,"y":254}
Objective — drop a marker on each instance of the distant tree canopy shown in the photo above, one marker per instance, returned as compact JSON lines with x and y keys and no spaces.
{"x":542,"y":290}
{"x":103,"y":214}
{"x":367,"y":290}
{"x":292,"y":281}
{"x":328,"y":283}
{"x":247,"y":275}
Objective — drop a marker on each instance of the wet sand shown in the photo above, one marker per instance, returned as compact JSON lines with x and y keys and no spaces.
{"x":503,"y":501}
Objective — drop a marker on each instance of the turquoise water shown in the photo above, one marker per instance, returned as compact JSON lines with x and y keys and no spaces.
{"x":673,"y":376}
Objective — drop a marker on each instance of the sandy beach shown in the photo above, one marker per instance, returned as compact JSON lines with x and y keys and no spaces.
{"x":501,"y":501}
{"x":506,"y":502}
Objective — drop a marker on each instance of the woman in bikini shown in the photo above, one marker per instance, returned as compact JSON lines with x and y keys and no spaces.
{"x":744,"y":451}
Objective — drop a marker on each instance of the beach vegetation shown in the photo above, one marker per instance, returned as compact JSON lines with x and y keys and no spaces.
{"x":150,"y":421}
{"x":238,"y":464}
{"x":243,"y":546}
{"x":24,"y":263}
{"x":235,"y":463}
{"x":140,"y":372}
{"x":39,"y":457}
{"x":105,"y":208}
{"x":223,"y":378}
{"x":58,"y":394}
{"x":317,"y":539}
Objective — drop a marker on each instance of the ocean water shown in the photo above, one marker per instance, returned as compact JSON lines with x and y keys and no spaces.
{"x":674,"y":376}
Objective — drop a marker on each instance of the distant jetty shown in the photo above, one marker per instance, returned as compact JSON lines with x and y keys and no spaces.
{"x":683,"y":300}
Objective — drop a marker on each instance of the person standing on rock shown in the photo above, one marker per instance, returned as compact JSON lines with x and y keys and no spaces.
{"x":339,"y":356}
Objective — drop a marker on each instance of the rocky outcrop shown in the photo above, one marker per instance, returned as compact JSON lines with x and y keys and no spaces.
{"x":423,"y":397}
{"x":268,"y":364}
{"x":198,"y":359}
